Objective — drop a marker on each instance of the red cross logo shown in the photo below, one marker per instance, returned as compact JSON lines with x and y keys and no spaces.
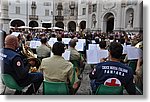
{"x":112,"y":82}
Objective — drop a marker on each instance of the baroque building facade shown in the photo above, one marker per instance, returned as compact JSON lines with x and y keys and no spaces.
{"x":76,"y":15}
{"x":33,"y":13}
{"x":100,"y":15}
{"x":111,"y":15}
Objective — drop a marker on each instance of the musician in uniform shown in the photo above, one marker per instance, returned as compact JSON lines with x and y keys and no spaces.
{"x":113,"y":72}
{"x":76,"y":56}
{"x":13,"y":65}
{"x":43,"y":50}
{"x":57,"y":69}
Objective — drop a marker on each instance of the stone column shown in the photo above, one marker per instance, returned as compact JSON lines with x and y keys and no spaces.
{"x":119,"y":17}
{"x":138,"y":21}
{"x":4,"y":18}
{"x":122,"y":19}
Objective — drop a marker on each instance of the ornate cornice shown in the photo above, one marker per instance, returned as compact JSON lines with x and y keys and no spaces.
{"x":108,"y":6}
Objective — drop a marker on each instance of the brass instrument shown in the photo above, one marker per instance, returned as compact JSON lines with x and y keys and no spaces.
{"x":27,"y":52}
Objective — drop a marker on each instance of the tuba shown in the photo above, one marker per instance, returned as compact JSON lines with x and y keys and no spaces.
{"x":28,"y":53}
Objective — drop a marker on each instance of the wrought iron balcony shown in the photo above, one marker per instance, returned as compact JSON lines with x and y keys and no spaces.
{"x":59,"y":7}
{"x":33,"y":17}
{"x":33,"y":5}
{"x":59,"y":18}
{"x":72,"y":6}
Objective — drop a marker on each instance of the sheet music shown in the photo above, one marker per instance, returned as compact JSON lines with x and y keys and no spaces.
{"x":34,"y":44}
{"x":15,"y":33}
{"x":93,"y":41}
{"x":124,"y":49}
{"x":66,"y":40}
{"x":133,"y":53}
{"x":53,"y":40}
{"x":103,"y":54}
{"x":79,"y":46}
{"x":66,"y":55}
{"x":94,"y":47}
{"x":51,"y":43}
{"x":92,"y":56}
{"x":81,"y":41}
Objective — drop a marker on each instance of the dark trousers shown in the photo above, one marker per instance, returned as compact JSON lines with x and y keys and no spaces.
{"x":35,"y":79}
{"x":93,"y":86}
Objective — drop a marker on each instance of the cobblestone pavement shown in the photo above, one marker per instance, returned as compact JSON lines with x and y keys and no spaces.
{"x":84,"y":88}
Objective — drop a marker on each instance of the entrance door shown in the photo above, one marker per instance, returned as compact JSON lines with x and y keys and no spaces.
{"x":108,"y":24}
{"x":72,"y":26}
{"x":33,"y":24}
{"x":17,"y":23}
{"x":82,"y":25}
{"x":60,"y":25}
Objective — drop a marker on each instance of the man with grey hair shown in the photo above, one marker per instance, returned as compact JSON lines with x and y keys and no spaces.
{"x":75,"y":56}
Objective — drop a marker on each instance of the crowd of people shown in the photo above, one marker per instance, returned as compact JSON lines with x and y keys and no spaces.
{"x":20,"y":59}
